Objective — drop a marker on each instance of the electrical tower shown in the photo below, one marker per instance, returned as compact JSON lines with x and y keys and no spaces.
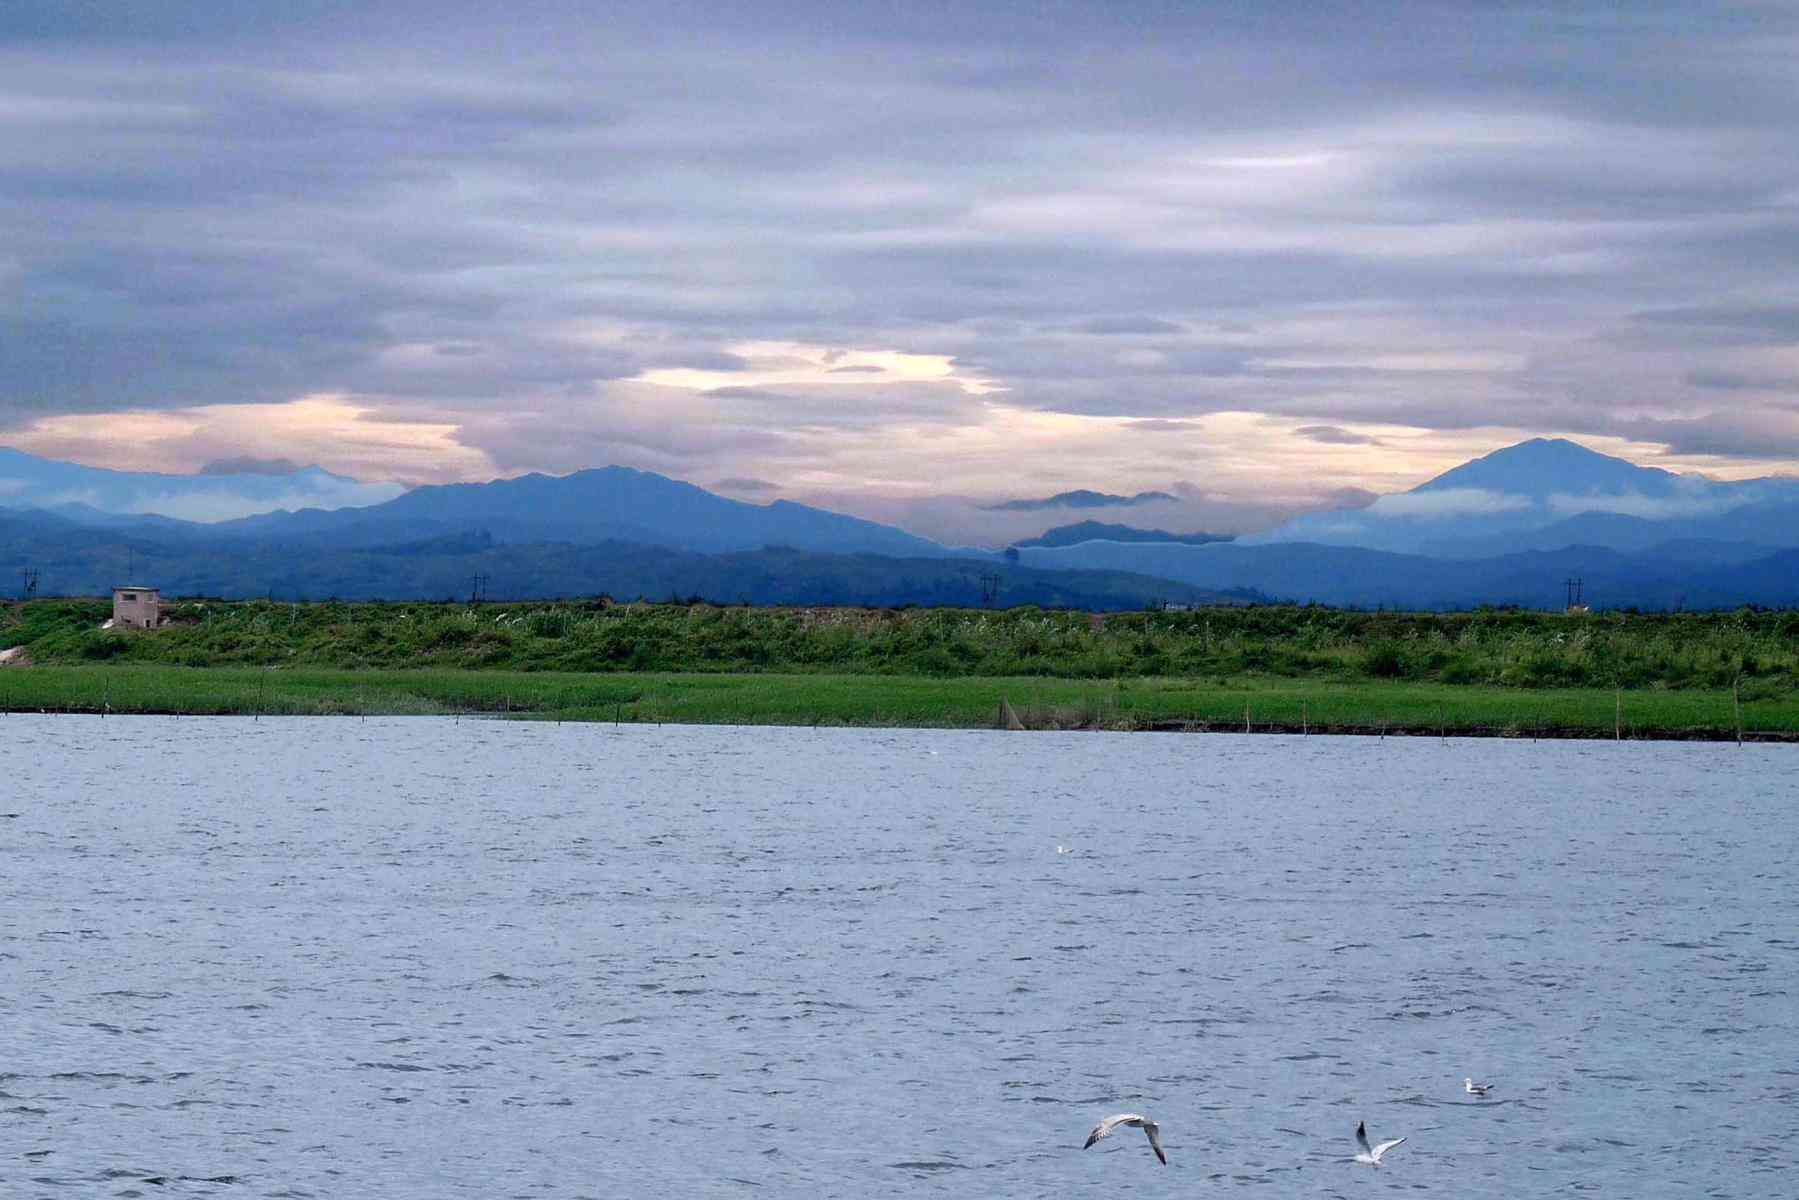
{"x":28,"y":585}
{"x":989,"y":589}
{"x":1573,"y":586}
{"x":477,"y":590}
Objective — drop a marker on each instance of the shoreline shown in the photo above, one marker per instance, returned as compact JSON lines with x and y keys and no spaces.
{"x":1143,"y":704}
{"x":1484,"y":732}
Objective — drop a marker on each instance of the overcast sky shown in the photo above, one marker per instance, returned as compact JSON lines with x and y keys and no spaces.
{"x":901,"y":257}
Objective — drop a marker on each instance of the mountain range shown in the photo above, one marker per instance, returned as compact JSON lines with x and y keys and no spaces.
{"x":1548,"y":493}
{"x":94,"y":495}
{"x":1101,"y":531}
{"x":77,"y":559}
{"x":1511,"y":527}
{"x":1080,"y":498}
{"x":605,"y":504}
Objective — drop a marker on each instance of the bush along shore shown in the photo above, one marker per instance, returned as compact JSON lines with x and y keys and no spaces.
{"x":1292,"y":669}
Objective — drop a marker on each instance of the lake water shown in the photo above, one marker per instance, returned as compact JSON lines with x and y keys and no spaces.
{"x":427,"y":958}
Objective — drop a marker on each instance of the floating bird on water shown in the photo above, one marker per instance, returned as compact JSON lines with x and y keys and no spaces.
{"x":1064,"y":849}
{"x":1371,"y":1154}
{"x":1104,"y":1129}
{"x":1476,"y":1089}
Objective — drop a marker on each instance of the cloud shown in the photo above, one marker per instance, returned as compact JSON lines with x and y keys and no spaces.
{"x":1754,"y":433}
{"x":742,"y":487}
{"x":343,"y":435}
{"x":1112,"y":326}
{"x":1335,"y":435}
{"x":1448,"y":502}
{"x":797,"y":365}
{"x":244,"y":464}
{"x":746,"y":242}
{"x":1655,"y":508}
{"x":1745,"y":324}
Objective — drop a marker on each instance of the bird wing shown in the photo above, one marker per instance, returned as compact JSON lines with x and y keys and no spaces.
{"x":1155,"y":1143}
{"x":1105,"y":1127}
{"x":1361,"y":1135}
{"x":1384,"y":1147}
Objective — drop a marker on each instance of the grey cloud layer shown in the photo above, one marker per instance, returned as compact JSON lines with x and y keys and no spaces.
{"x":1569,"y":218}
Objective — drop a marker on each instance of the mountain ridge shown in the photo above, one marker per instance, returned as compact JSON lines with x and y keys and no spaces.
{"x":1100,"y":531}
{"x":47,"y":483}
{"x":1544,"y":493}
{"x":597,"y":504}
{"x":1079,"y":498}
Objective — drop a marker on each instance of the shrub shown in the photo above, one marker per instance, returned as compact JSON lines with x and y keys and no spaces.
{"x":1383,"y":660}
{"x":550,"y":623}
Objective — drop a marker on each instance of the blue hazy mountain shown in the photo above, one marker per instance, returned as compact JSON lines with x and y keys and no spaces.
{"x":1508,"y":528}
{"x":314,"y":506}
{"x":73,"y":559}
{"x":603,"y":504}
{"x":94,"y":495}
{"x":1092,"y":531}
{"x":1548,"y":493}
{"x":1664,"y":577}
{"x":1079,"y":498}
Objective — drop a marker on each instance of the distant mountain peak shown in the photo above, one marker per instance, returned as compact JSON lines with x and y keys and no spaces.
{"x":1079,"y":498}
{"x":1541,"y":467}
{"x":1100,"y":531}
{"x":601,"y":504}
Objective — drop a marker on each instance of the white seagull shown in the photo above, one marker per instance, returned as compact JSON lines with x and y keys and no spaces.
{"x":1476,"y":1089}
{"x":1371,"y":1154}
{"x":1104,"y":1129}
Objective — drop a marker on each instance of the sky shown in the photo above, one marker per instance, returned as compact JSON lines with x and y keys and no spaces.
{"x":902,"y":259}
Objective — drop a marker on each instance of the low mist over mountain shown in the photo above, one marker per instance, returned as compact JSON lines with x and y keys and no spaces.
{"x":1508,"y":528}
{"x":1545,"y":494}
{"x":222,"y":491}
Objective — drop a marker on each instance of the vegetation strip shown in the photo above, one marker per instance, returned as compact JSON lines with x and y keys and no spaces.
{"x":1229,"y":705}
{"x":1509,"y":673}
{"x":1758,"y":651}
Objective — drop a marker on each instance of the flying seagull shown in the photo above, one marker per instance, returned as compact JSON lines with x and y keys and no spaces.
{"x":1371,"y":1154}
{"x":1476,"y":1089}
{"x":1104,"y":1129}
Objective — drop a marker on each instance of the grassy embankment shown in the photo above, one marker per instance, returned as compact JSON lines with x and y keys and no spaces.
{"x":1515,"y":673}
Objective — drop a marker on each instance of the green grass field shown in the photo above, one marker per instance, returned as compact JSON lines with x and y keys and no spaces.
{"x":897,"y":700}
